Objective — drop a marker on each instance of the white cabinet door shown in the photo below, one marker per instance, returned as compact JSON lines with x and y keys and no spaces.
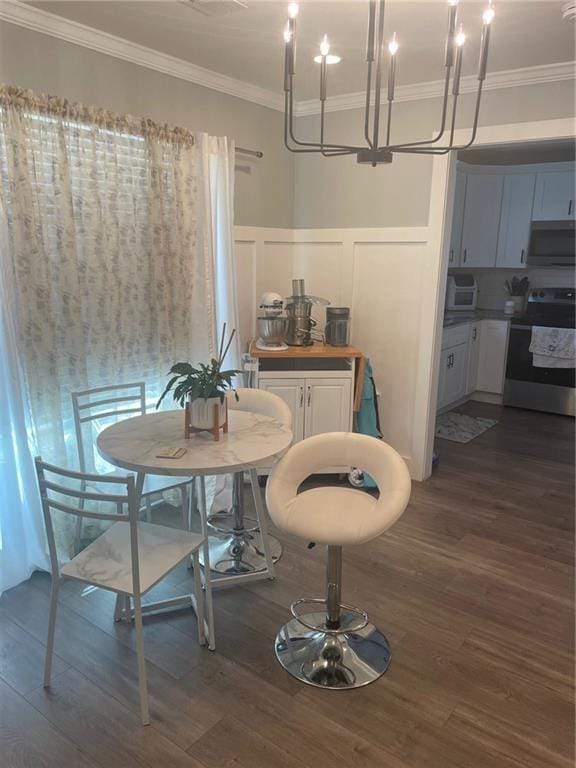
{"x":481,"y":219}
{"x":328,"y":406}
{"x":492,"y":356}
{"x":456,"y":373}
{"x":473,"y":352}
{"x":514,"y":232}
{"x":457,"y":219}
{"x":554,"y":198}
{"x":292,"y":391}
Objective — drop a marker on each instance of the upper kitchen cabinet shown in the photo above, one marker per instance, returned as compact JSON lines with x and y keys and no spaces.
{"x":481,"y":219}
{"x":554,"y":198}
{"x":515,"y":219}
{"x":457,"y":219}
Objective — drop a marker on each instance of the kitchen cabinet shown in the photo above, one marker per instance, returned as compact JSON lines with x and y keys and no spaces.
{"x":453,"y":372}
{"x":327,"y":407}
{"x":473,"y":359}
{"x":492,"y":356}
{"x":554,"y":197}
{"x":473,"y":356}
{"x":481,"y":219}
{"x":457,"y":219}
{"x":292,"y":391}
{"x":317,"y":384}
{"x":515,"y":220}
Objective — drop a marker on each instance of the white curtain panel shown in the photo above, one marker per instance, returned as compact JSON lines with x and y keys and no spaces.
{"x":218,"y":161}
{"x":120,"y":251}
{"x":22,"y":542}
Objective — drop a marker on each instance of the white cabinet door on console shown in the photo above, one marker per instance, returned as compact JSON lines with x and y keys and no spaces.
{"x":473,"y":353}
{"x":554,"y":198}
{"x":328,"y":406}
{"x":481,"y":219}
{"x":514,"y":234}
{"x":292,"y":391}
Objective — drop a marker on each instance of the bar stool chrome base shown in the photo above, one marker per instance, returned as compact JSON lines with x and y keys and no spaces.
{"x":337,"y":659}
{"x":223,"y":522}
{"x":240,"y":553}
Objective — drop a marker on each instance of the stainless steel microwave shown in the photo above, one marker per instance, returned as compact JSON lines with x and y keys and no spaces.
{"x":551,"y":244}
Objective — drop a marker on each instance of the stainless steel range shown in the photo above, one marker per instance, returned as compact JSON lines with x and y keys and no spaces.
{"x":527,"y":386}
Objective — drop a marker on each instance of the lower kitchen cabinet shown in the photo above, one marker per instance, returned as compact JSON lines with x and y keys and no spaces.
{"x":317,"y":404}
{"x":492,"y":356}
{"x":473,"y":359}
{"x":473,"y":356}
{"x":453,"y":374}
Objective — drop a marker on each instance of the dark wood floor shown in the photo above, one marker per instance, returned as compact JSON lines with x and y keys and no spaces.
{"x":473,"y":587}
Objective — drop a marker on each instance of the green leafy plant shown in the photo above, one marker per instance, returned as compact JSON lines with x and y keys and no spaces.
{"x":203,"y":381}
{"x":517,"y":287}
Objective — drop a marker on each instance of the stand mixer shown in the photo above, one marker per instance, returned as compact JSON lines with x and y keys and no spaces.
{"x":272,"y":325}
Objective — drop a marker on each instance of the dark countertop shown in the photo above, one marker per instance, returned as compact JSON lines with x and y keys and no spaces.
{"x":460,"y":318}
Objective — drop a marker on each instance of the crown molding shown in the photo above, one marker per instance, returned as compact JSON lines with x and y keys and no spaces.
{"x":18,"y":13}
{"x":38,"y":20}
{"x":509,"y":78}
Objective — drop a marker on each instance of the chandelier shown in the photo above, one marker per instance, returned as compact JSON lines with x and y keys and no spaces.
{"x":371,"y":151}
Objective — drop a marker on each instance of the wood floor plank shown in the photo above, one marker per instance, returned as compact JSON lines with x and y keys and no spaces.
{"x":28,"y":740}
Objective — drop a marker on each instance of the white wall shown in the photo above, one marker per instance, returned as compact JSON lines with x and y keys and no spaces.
{"x":337,"y":192}
{"x":379,"y":273}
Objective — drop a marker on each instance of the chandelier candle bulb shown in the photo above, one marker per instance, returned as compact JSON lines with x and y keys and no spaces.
{"x":452,"y":12}
{"x":370,"y":52}
{"x":459,"y":40}
{"x":293,"y":10}
{"x":487,"y":18}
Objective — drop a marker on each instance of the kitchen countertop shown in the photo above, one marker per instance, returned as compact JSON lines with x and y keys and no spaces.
{"x":317,"y":349}
{"x":460,"y":318}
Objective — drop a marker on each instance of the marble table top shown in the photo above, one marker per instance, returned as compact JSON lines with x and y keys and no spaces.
{"x":253,"y":440}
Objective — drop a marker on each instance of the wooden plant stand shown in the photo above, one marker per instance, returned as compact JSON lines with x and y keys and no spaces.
{"x":189,"y":430}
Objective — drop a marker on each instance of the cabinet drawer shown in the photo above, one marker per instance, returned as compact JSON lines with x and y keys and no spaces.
{"x":458,"y":334}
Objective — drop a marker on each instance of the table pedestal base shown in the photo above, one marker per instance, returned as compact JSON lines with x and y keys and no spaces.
{"x":239,"y":553}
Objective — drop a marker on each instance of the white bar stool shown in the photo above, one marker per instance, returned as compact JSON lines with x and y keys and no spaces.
{"x":338,"y":647}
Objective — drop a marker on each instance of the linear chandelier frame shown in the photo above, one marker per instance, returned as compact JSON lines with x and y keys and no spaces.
{"x":371,"y":151}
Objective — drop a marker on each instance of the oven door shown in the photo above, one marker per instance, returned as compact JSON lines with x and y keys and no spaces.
{"x":541,"y":389}
{"x":463,"y":298}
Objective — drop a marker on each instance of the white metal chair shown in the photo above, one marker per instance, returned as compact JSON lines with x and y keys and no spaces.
{"x":102,"y":406}
{"x":339,"y":648}
{"x":129,"y":558}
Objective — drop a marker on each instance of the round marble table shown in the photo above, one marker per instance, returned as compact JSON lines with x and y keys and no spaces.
{"x":252,"y":440}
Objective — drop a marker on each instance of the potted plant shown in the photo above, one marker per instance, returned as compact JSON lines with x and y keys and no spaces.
{"x":201,"y":391}
{"x":517,"y":288}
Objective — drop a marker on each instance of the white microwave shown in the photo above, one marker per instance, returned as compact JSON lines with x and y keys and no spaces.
{"x":461,"y":293}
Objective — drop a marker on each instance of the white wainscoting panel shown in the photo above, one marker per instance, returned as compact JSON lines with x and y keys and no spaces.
{"x":379,"y":274}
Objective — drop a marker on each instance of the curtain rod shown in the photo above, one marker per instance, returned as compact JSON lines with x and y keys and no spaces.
{"x":251,"y":152}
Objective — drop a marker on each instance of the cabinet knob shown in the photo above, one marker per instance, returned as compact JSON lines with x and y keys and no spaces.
{"x":301,"y":396}
{"x":570,"y":207}
{"x":309,"y":394}
{"x":465,"y":255}
{"x":451,"y":255}
{"x":522,"y":254}
{"x":474,"y":333}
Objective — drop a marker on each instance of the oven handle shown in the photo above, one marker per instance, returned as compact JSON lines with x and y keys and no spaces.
{"x":521,"y":327}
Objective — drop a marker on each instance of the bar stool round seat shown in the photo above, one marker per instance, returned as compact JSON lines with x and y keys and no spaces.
{"x":336,"y":647}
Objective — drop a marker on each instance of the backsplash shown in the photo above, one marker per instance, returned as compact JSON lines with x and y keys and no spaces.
{"x":491,"y":282}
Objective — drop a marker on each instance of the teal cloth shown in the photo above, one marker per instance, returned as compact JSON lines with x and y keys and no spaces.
{"x":368,"y":422}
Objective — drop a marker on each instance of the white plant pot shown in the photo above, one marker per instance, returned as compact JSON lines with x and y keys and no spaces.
{"x":519,"y":304}
{"x":202,"y":413}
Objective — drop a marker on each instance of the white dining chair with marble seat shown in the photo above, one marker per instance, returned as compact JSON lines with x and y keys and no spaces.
{"x":128,"y":558}
{"x":93,"y":409}
{"x":336,"y":647}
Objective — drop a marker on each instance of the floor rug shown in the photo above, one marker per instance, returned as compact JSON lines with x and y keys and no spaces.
{"x":461,"y":428}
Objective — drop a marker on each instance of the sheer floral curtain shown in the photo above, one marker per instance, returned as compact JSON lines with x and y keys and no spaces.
{"x":112,"y":261}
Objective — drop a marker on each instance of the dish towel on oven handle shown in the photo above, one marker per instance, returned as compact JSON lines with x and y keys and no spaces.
{"x":553,"y":347}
